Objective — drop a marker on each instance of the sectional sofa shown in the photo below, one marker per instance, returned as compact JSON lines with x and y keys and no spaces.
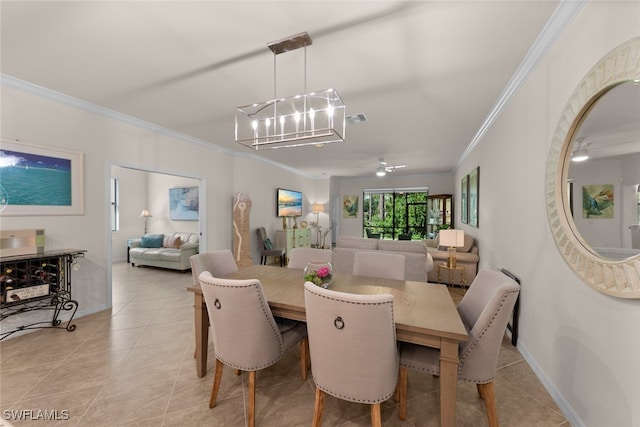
{"x":418,"y":261}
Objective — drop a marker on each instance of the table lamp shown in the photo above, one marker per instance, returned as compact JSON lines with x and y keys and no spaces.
{"x":452,"y":239}
{"x":146,"y":215}
{"x":316,"y":209}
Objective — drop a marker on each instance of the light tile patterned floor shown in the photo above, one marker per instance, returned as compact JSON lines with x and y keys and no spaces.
{"x":133,"y":366}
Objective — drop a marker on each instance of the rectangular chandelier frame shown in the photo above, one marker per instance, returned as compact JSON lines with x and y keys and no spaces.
{"x":315,"y":118}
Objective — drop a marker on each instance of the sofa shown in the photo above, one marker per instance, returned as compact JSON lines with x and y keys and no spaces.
{"x":466,"y":256}
{"x":418,"y":261}
{"x":164,"y":250}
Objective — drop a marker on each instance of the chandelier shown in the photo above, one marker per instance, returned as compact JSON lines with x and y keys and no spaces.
{"x":315,"y":118}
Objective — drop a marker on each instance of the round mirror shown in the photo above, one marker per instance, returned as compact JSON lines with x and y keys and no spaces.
{"x":604,"y":173}
{"x":592,"y":205}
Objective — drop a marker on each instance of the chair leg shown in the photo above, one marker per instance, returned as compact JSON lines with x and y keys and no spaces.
{"x":304,"y":358}
{"x":216,"y":384}
{"x":376,"y":418}
{"x":252,"y":398}
{"x":319,"y":407}
{"x":403,"y":382}
{"x":487,"y":391}
{"x":480,"y":391}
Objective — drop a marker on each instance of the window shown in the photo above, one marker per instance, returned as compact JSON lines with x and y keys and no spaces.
{"x":115,"y":205}
{"x":395,"y":213}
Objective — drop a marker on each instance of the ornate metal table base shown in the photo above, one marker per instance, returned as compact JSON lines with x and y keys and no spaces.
{"x":57,"y":303}
{"x":42,"y":281}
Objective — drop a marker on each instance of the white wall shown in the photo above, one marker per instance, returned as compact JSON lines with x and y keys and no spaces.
{"x":34,"y":115}
{"x":583,"y":344}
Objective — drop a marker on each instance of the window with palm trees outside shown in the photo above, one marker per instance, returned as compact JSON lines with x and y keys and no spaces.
{"x":395,"y":214}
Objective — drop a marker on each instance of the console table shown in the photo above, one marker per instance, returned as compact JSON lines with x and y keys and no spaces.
{"x":38,"y":282}
{"x":293,"y":238}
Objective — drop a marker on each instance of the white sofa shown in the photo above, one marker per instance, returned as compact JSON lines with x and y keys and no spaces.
{"x":418,"y":261}
{"x":164,"y":250}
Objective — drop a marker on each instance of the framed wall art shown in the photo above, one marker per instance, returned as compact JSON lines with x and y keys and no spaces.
{"x":464,"y":200}
{"x":597,"y":201}
{"x":38,"y":180}
{"x":474,"y":196}
{"x":184,"y":204}
{"x":350,"y":206}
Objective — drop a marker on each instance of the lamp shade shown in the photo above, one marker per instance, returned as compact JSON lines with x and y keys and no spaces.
{"x":317,"y":208}
{"x":145,"y":213}
{"x":452,"y":238}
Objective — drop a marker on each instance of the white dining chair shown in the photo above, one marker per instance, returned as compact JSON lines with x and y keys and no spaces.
{"x":300,"y":257}
{"x":383,"y":265}
{"x":219,"y":263}
{"x":485,"y":310}
{"x":352,"y":343}
{"x":246,"y":336}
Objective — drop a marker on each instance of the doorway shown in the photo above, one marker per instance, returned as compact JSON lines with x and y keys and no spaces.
{"x":140,"y":189}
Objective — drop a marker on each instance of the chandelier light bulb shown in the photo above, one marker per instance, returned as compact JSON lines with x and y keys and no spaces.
{"x":296,"y":117}
{"x":330,"y":111}
{"x":254,"y":124}
{"x":312,"y":113}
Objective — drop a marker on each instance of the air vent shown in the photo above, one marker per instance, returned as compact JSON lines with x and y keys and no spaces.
{"x":356,"y":118}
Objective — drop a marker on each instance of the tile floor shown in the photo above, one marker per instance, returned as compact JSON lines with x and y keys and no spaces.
{"x":133,"y":366}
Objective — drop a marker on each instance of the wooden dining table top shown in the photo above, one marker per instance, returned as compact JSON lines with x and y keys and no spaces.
{"x":424,"y":313}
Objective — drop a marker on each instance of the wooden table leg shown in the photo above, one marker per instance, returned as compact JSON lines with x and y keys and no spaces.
{"x":201,"y":321}
{"x":448,"y":382}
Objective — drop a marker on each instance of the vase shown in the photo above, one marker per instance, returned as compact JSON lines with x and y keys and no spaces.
{"x":319,"y":273}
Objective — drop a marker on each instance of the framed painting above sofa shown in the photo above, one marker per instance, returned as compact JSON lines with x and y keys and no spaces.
{"x":184,"y":204}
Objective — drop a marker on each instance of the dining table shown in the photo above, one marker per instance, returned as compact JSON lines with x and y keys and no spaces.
{"x":424,"y":314}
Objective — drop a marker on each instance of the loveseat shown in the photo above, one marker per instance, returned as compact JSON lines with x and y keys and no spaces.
{"x":466,"y":256}
{"x":418,"y":261}
{"x":164,"y":250}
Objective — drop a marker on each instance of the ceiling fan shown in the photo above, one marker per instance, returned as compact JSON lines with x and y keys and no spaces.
{"x":383,"y":168}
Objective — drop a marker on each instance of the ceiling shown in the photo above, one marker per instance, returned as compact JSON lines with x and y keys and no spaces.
{"x":426,"y":74}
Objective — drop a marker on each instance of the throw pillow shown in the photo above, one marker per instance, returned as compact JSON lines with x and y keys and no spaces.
{"x":151,"y":241}
{"x":175,"y":242}
{"x":268,"y":245}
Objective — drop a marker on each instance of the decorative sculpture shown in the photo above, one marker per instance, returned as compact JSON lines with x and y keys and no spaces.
{"x":241,"y":239}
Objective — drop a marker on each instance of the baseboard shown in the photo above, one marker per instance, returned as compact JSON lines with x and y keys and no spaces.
{"x":562,"y":403}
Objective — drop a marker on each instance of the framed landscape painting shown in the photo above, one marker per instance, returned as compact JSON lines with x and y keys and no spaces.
{"x":38,"y":180}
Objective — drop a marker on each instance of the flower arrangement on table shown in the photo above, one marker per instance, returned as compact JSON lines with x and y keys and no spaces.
{"x":318,"y":274}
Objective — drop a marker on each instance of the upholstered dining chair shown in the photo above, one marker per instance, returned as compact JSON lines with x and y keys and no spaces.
{"x":246,"y":336}
{"x":485,"y":310}
{"x":219,"y":263}
{"x":379,"y":264}
{"x":267,"y":252}
{"x":300,"y":257}
{"x":352,"y":343}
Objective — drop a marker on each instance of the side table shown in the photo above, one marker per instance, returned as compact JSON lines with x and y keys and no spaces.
{"x":459,"y":268}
